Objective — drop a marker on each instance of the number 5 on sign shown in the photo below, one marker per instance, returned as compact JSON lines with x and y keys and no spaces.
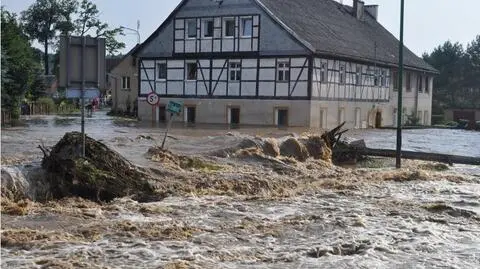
{"x":152,"y":99}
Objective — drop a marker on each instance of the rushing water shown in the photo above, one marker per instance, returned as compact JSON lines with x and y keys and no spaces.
{"x":375,"y":224}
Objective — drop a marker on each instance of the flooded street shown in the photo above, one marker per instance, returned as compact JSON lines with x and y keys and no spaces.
{"x":243,"y":211}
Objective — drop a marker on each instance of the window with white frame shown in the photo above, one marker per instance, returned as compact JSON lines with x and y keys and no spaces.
{"x":247,"y":24}
{"x":192,"y":71}
{"x":125,"y":82}
{"x":420,"y":83}
{"x":192,"y":28}
{"x":395,"y":80}
{"x":426,"y":84}
{"x":376,"y":77}
{"x":383,"y":78}
{"x":342,"y":77}
{"x":235,"y":71}
{"x":162,"y":71}
{"x":323,"y":72}
{"x":283,"y":71}
{"x":358,"y":76}
{"x":408,"y":81}
{"x":208,"y":28}
{"x":229,"y":27}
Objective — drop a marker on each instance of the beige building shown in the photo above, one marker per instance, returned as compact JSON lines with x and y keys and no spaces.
{"x":315,"y":63}
{"x":456,"y":114}
{"x":124,"y":83}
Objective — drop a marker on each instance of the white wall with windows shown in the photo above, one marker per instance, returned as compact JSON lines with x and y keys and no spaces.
{"x":217,"y":34}
{"x":417,"y":94}
{"x":341,"y":80}
{"x":266,"y":77}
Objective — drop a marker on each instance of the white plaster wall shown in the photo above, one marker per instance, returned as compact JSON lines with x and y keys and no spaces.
{"x":252,"y":112}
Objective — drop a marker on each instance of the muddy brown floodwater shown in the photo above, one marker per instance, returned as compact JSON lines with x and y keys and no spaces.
{"x":247,"y":211}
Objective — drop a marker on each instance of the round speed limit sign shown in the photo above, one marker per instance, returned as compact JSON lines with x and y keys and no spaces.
{"x":152,"y":99}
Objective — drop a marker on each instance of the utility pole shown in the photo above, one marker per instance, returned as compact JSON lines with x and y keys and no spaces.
{"x":82,"y":94}
{"x":137,"y":31}
{"x":398,"y":162}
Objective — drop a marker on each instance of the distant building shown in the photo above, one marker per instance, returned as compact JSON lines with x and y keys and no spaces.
{"x":310,"y":63}
{"x":456,"y":114}
{"x":123,"y":78}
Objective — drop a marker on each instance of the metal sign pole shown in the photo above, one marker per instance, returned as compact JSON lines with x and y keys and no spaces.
{"x":168,"y":128}
{"x":82,"y":95}
{"x":398,"y":162}
{"x":153,"y":116}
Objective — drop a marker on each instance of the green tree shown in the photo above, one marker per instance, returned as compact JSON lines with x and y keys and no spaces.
{"x":472,"y":80}
{"x":458,"y":84}
{"x":37,"y":87}
{"x":45,"y":18}
{"x":88,"y":23}
{"x":19,"y":65}
{"x":449,"y":60}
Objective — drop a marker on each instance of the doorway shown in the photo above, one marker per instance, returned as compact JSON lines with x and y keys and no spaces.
{"x":282,"y":116}
{"x":234,"y":116}
{"x":358,"y":118}
{"x":191,"y":115}
{"x":323,"y":118}
{"x":162,"y":116}
{"x":378,"y":119}
{"x":341,"y":115}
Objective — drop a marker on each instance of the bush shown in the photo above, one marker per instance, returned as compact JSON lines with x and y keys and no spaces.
{"x":438,"y":119}
{"x":412,"y":120}
{"x":48,"y":102}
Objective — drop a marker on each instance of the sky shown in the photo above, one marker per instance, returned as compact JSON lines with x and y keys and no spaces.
{"x":428,"y":23}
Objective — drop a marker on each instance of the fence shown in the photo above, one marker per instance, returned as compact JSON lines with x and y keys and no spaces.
{"x":46,"y":109}
{"x":39,"y":109}
{"x":6,"y":118}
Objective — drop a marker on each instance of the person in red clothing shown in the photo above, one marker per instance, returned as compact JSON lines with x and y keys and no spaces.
{"x":94,"y":104}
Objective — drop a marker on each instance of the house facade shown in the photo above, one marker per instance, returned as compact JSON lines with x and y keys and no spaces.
{"x":124,"y":83}
{"x":308,"y":63}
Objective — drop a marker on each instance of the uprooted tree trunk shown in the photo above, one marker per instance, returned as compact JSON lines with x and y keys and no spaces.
{"x":101,"y":176}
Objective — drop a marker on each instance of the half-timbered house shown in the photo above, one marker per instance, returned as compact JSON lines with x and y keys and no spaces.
{"x":311,"y":63}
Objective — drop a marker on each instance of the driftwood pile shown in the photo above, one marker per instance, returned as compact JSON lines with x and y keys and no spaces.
{"x":101,"y":176}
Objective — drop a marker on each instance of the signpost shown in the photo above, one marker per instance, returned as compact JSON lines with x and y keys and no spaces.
{"x":398,"y":159}
{"x":153,"y":100}
{"x":174,"y":108}
{"x":82,"y":66}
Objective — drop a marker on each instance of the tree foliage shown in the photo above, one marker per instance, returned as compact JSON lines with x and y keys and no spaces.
{"x":20,"y":68}
{"x":88,"y":23}
{"x":458,"y":84}
{"x":44,"y":19}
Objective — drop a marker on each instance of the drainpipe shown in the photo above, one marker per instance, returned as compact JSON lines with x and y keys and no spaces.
{"x":416,"y":97}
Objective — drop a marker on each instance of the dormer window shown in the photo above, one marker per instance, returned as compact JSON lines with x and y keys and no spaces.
{"x":192,"y":28}
{"x":229,"y":27}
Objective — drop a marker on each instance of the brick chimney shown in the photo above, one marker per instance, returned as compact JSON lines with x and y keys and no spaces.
{"x":372,"y":10}
{"x":358,"y":9}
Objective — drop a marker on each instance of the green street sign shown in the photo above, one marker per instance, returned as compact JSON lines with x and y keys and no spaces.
{"x":174,"y":107}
